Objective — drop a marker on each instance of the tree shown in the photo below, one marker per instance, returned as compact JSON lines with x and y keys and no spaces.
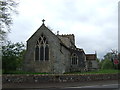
{"x":12,"y":56}
{"x":119,"y":61}
{"x":7,"y":7}
{"x":98,"y":61}
{"x":109,"y":56}
{"x":108,"y":61}
{"x":107,"y":64}
{"x":101,"y":63}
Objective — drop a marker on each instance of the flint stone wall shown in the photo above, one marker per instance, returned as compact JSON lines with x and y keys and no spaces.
{"x":57,"y":78}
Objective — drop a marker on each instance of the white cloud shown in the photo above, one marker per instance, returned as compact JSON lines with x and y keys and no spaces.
{"x":94,"y":22}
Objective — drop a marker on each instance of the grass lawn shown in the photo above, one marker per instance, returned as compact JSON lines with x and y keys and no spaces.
{"x":21,"y":72}
{"x":109,"y":71}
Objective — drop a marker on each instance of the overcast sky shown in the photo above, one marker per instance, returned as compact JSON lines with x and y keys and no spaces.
{"x":93,"y":22}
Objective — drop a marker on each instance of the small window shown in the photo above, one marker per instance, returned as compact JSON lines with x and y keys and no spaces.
{"x":74,"y":59}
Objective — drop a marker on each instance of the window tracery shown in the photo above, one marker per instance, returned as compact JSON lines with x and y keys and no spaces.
{"x":42,"y":49}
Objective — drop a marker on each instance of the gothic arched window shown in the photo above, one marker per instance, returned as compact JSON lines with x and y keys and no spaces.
{"x":74,"y":59}
{"x":47,"y":53}
{"x":37,"y":53}
{"x":42,"y":49}
{"x":41,"y":52}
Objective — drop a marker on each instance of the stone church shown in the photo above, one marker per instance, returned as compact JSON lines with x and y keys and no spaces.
{"x":50,"y":53}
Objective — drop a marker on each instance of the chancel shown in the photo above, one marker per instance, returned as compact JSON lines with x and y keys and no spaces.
{"x":50,"y":53}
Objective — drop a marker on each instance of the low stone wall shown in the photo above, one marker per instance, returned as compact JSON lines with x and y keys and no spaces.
{"x":57,"y":78}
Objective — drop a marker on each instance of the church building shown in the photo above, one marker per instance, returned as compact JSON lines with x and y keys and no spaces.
{"x":50,"y":53}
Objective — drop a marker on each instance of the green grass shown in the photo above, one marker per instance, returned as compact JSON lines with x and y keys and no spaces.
{"x":109,"y":71}
{"x":21,"y":72}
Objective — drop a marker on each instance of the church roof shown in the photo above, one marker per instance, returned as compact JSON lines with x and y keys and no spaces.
{"x":66,"y":35}
{"x":43,"y":26}
{"x":90,"y":56}
{"x":71,"y":36}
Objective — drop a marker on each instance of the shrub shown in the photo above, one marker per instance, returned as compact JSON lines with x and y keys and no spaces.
{"x":107,"y":64}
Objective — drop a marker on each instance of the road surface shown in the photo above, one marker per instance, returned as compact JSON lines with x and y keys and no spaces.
{"x":107,"y":85}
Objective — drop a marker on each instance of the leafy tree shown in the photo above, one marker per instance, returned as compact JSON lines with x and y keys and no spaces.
{"x":112,"y":56}
{"x":7,"y":7}
{"x":108,"y":56}
{"x":119,"y":61}
{"x":12,"y":56}
{"x":101,"y":63}
{"x":107,"y":64}
{"x":98,"y":61}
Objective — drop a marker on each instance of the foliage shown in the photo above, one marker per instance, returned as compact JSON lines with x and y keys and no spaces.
{"x":109,"y":59}
{"x":98,"y":61}
{"x":12,"y":56}
{"x":101,"y":63}
{"x":7,"y":7}
{"x":108,"y":56}
{"x":107,"y":64}
{"x":118,"y":66}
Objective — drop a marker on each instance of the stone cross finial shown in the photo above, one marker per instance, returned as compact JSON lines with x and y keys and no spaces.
{"x":43,"y":21}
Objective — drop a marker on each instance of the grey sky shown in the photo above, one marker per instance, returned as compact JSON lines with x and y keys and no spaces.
{"x":93,"y":22}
